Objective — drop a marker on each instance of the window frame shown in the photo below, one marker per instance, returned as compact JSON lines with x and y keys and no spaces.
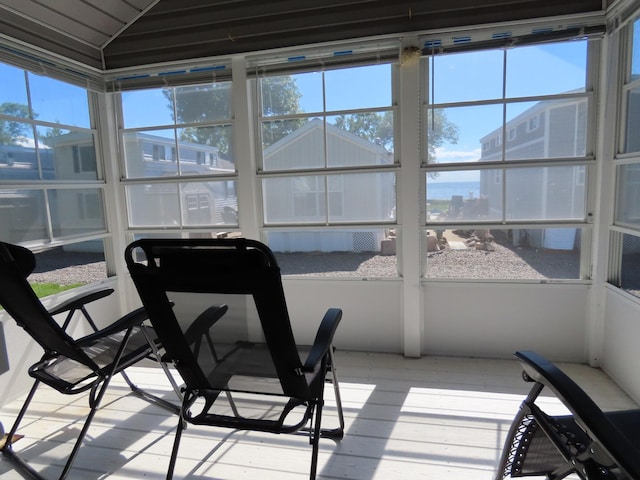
{"x":178,"y":180}
{"x":586,"y":163}
{"x":76,"y":160}
{"x":621,"y":232}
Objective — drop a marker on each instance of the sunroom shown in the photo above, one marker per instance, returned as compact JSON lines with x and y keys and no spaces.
{"x":458,"y":177}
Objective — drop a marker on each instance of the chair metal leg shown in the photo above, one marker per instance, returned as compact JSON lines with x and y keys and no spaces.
{"x":21,"y":464}
{"x":315,"y":440}
{"x":95,"y":403}
{"x":335,"y":433}
{"x":8,"y":443}
{"x":182,"y":425}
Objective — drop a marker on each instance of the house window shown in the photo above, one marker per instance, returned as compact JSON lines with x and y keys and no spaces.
{"x":474,"y":98}
{"x":84,"y":159}
{"x":327,"y":159}
{"x":89,"y":205}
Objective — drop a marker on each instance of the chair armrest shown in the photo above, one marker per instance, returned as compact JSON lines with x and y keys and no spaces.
{"x":324,"y":338}
{"x":79,"y":300}
{"x":131,"y":319}
{"x":585,"y":411}
{"x":204,"y":322}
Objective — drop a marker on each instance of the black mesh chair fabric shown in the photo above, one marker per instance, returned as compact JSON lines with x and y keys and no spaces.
{"x":587,"y":443}
{"x":70,"y":365}
{"x":219,"y":309}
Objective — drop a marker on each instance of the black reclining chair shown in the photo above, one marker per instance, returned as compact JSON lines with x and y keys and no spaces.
{"x":588,"y":442}
{"x":71,"y":365}
{"x":219,"y":309}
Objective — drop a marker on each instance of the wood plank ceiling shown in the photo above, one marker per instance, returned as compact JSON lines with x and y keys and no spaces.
{"x":116,"y":34}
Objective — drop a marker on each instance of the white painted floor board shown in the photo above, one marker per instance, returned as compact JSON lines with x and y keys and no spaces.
{"x":427,"y":418}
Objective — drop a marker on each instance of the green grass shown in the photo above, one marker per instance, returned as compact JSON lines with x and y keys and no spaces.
{"x":46,"y":289}
{"x":442,"y":205}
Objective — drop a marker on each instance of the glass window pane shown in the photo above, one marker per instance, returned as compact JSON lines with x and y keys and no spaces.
{"x":545,"y":193}
{"x":67,"y":155}
{"x":22,"y":215}
{"x":547,"y":129}
{"x":628,"y":195}
{"x":205,"y":150}
{"x":362,"y":197}
{"x":13,"y":132}
{"x":150,"y":154}
{"x":209,"y":203}
{"x":18,"y":162}
{"x":635,"y":51}
{"x":463,"y":134}
{"x":294,"y":199}
{"x":630,"y":264}
{"x":59,"y":102}
{"x":291,"y":94}
{"x":335,"y":252}
{"x":463,"y":77}
{"x":202,"y":103}
{"x":76,"y":211}
{"x":360,"y":139}
{"x":357,"y":197}
{"x":546,"y":69}
{"x":504,"y":254}
{"x":469,"y":195}
{"x":358,"y":87}
{"x":73,"y":264}
{"x":14,"y":89}
{"x":147,"y":108}
{"x":293,"y":144}
{"x":632,"y":139}
{"x":153,"y":205}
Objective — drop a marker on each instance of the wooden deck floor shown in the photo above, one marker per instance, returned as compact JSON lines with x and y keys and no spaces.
{"x":428,"y":418}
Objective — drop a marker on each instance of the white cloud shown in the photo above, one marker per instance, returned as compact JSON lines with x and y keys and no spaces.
{"x":445,"y":155}
{"x":29,"y":143}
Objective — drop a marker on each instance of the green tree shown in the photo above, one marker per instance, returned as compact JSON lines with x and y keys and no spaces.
{"x":440,"y":130}
{"x":208,"y":103}
{"x":11,"y":131}
{"x":50,"y":135}
{"x":378,"y":128}
{"x":280,"y":96}
{"x":374,"y":127}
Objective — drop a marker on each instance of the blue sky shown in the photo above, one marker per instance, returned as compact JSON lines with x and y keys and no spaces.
{"x":530,"y":71}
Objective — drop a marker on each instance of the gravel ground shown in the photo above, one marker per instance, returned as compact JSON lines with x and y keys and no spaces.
{"x":505,"y":262}
{"x":66,"y":268}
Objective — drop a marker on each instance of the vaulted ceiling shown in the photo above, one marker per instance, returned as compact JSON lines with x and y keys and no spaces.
{"x":115,"y":34}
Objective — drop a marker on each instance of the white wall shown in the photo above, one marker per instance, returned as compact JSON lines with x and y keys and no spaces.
{"x":496,"y":319}
{"x":621,"y":345}
{"x":371,"y":311}
{"x":466,"y":319}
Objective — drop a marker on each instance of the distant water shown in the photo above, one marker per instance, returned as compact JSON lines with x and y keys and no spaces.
{"x":445,"y":190}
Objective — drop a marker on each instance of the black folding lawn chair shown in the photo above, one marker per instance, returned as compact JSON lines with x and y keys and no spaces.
{"x":587,"y":442}
{"x":72,"y":365}
{"x":219,"y":309}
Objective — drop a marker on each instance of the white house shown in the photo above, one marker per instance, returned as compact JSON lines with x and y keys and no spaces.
{"x":318,"y":199}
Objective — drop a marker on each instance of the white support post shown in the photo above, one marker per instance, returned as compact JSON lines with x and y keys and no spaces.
{"x":244,"y":139}
{"x":409,"y":260}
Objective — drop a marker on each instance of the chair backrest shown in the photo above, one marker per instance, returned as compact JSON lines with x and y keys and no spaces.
{"x":230,"y":269}
{"x":20,"y":301}
{"x":586,"y":413}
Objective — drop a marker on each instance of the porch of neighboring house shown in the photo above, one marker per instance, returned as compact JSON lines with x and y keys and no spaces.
{"x":427,"y":418}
